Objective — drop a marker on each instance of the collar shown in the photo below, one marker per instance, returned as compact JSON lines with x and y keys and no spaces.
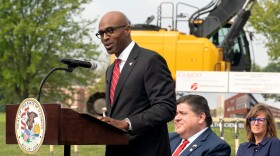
{"x":192,"y":138}
{"x":262,"y":143}
{"x":124,"y":55}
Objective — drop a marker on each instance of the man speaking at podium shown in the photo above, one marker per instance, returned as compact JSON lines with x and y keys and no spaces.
{"x":140,"y":95}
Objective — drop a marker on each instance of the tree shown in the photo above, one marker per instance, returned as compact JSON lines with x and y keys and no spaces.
{"x":265,"y":20}
{"x":256,"y":67}
{"x":272,"y":67}
{"x":34,"y":36}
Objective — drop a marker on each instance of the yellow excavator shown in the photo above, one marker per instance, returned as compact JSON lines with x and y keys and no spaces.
{"x":216,"y":40}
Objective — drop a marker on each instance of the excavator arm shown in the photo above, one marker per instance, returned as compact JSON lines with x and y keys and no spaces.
{"x":220,"y":12}
{"x":241,"y":19}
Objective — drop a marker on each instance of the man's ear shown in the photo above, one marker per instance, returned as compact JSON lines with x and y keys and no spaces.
{"x":127,"y":30}
{"x":202,"y":117}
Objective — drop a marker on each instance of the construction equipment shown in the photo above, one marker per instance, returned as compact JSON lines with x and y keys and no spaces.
{"x":215,"y":42}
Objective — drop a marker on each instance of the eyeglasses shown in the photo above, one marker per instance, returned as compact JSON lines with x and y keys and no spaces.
{"x":252,"y":121}
{"x":108,"y":31}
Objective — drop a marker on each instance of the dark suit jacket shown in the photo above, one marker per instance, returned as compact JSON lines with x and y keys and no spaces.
{"x":145,"y":95}
{"x":208,"y":143}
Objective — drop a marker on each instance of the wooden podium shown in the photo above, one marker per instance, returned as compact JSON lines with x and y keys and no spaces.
{"x":67,"y":127}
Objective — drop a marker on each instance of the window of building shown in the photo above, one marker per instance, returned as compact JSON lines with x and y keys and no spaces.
{"x":230,"y":108}
{"x":241,"y":102}
{"x":232,"y":101}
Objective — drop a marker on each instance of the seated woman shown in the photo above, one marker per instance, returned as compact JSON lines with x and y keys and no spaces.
{"x":261,"y":133}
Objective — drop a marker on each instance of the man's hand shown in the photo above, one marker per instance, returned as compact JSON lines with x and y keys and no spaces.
{"x":121,"y":124}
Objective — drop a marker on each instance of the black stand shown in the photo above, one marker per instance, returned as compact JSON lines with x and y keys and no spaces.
{"x":69,"y":69}
{"x":67,"y":150}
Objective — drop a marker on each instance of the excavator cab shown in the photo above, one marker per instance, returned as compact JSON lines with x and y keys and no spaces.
{"x":223,"y":24}
{"x":239,"y":53}
{"x":224,"y":27}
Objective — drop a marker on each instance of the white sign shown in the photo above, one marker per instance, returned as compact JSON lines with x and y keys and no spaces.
{"x":254,"y":82}
{"x":233,"y":82}
{"x":194,"y":81}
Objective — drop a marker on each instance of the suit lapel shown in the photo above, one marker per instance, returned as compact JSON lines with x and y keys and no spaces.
{"x":175,"y":143}
{"x":109,"y":73}
{"x":192,"y":147}
{"x":128,"y":66}
{"x":197,"y":142}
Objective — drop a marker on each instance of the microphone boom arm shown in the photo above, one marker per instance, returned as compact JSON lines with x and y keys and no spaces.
{"x":69,"y":69}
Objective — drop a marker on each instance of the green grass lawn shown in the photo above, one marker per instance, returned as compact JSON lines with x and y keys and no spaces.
{"x":94,"y":150}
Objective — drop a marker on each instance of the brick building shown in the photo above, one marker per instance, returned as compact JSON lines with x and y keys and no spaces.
{"x":78,"y":98}
{"x":239,"y":105}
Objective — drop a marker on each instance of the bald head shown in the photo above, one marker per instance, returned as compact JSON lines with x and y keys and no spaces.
{"x":115,"y":17}
{"x":114,"y":30}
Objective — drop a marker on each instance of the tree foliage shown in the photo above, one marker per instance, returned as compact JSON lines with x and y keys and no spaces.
{"x":256,"y":67}
{"x":265,"y":20}
{"x":272,"y":67}
{"x":34,"y":36}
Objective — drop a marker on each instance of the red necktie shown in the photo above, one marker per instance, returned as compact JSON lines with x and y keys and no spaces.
{"x":115,"y":78}
{"x":180,"y":148}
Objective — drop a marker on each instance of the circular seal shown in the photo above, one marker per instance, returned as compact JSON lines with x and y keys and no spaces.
{"x":30,"y":126}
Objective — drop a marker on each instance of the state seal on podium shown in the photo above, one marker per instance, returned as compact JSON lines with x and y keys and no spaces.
{"x":30,"y":126}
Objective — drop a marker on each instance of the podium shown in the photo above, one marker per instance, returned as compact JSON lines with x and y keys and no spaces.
{"x":67,"y":127}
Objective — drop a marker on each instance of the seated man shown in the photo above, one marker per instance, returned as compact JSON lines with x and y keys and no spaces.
{"x":193,"y":134}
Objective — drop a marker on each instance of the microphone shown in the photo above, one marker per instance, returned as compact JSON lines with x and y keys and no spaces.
{"x":77,"y":63}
